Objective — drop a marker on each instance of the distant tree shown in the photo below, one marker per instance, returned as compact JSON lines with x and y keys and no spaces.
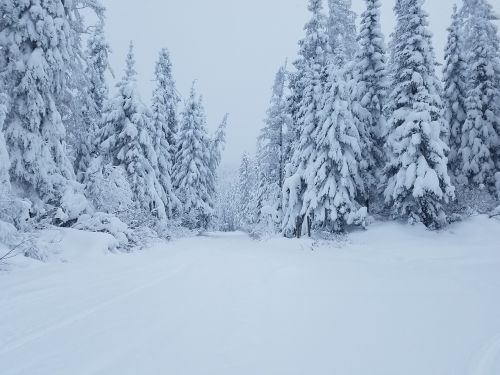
{"x":247,"y":192}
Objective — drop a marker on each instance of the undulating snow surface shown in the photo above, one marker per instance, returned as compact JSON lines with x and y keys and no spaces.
{"x":389,"y":301}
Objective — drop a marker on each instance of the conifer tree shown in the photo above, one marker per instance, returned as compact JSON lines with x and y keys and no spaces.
{"x":125,"y":141}
{"x":37,"y":39}
{"x":342,"y":29}
{"x":164,"y":120}
{"x":272,"y":152}
{"x":308,"y":90}
{"x":192,"y":167}
{"x":92,"y":99}
{"x":418,"y":183}
{"x":333,"y":181}
{"x":481,"y":130}
{"x":369,"y":90}
{"x":247,"y":192}
{"x":216,"y":146}
{"x":455,"y":89}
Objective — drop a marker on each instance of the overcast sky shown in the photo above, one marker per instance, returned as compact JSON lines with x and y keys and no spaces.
{"x":231,"y":47}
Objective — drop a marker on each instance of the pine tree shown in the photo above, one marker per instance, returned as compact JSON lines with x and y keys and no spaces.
{"x":92,"y":99}
{"x":216,"y":145}
{"x":342,"y":30}
{"x":272,"y":152}
{"x":481,"y":130}
{"x":37,"y":46}
{"x":455,"y":89}
{"x":418,"y":183}
{"x":125,"y":141}
{"x":369,"y":90}
{"x":192,"y":167}
{"x":164,"y":119}
{"x":332,"y":176}
{"x":247,"y":192}
{"x":307,"y":90}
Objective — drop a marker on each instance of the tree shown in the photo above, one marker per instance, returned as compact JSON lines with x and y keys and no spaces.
{"x":481,"y":130}
{"x":455,"y":89}
{"x":369,"y":90}
{"x":272,"y":153}
{"x":93,"y":99}
{"x":125,"y":141}
{"x":247,"y":192}
{"x":192,"y":167}
{"x":37,"y":50}
{"x":332,"y":175}
{"x":216,"y":145}
{"x":418,"y":183}
{"x":342,"y":30}
{"x":164,"y":119}
{"x":308,"y":91}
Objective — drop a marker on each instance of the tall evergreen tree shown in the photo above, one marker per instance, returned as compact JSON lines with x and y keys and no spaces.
{"x":481,"y":130}
{"x":170,"y":99}
{"x":308,"y":90}
{"x":216,"y":145}
{"x":125,"y":141}
{"x":192,"y":167}
{"x":272,"y":152}
{"x":369,"y":92}
{"x":342,"y":29}
{"x":37,"y":48}
{"x":247,"y":192}
{"x":164,"y":119}
{"x":93,"y":99}
{"x":417,"y":177}
{"x":455,"y":89}
{"x":333,"y":180}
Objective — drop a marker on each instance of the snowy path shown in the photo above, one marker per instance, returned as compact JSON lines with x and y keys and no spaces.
{"x":419,"y":303}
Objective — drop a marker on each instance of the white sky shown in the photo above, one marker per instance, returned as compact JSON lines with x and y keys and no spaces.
{"x":231,"y":47}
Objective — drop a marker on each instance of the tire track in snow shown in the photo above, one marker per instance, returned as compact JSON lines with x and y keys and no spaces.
{"x":488,"y":359}
{"x":16,"y":344}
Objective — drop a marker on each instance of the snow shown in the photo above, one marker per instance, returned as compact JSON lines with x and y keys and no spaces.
{"x":420,"y":303}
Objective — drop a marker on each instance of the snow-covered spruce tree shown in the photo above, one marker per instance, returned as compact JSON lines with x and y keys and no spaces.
{"x":455,"y":89}
{"x":92,"y":99}
{"x":342,"y":29}
{"x":164,"y":119}
{"x":170,"y":99}
{"x":192,"y":167}
{"x":216,"y":146}
{"x":369,"y":90}
{"x":307,"y":92}
{"x":125,"y":141}
{"x":481,"y":130}
{"x":247,"y":192}
{"x":332,"y":175}
{"x":37,"y":40}
{"x":418,"y":183}
{"x":272,"y":153}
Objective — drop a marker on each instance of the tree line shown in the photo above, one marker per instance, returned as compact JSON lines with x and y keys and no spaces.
{"x":356,"y":129}
{"x":71,"y":154}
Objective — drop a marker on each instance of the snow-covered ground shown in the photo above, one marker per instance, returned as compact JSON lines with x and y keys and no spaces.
{"x":389,"y":301}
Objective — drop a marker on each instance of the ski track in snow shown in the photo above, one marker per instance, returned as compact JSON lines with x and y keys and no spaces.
{"x":223,"y":304}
